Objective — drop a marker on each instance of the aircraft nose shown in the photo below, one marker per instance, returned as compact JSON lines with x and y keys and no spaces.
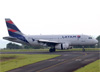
{"x":96,"y":41}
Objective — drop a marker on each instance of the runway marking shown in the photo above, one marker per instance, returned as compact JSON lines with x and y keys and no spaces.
{"x":60,"y":63}
{"x":78,"y":60}
{"x":56,"y":60}
{"x":88,"y":60}
{"x":65,"y":55}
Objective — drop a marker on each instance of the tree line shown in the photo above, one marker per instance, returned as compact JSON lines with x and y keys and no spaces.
{"x":98,"y":38}
{"x":16,"y":46}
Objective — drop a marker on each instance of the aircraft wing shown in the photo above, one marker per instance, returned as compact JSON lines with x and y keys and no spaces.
{"x":48,"y":42}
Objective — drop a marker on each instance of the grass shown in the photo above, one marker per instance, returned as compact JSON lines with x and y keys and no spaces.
{"x":92,"y":67}
{"x":39,"y":50}
{"x":12,"y":61}
{"x":6,"y":57}
{"x":23,"y":50}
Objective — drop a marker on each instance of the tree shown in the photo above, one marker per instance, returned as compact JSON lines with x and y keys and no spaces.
{"x":98,"y":38}
{"x":13,"y":46}
{"x":86,"y":46}
{"x":33,"y":47}
{"x":16,"y":46}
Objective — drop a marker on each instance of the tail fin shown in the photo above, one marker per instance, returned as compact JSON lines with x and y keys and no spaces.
{"x":12,"y":28}
{"x":14,"y":31}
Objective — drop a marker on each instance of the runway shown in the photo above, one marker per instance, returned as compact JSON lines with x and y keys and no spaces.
{"x":67,"y":62}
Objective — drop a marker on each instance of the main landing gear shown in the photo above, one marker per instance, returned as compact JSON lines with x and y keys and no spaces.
{"x":52,"y":50}
{"x":83,"y":49}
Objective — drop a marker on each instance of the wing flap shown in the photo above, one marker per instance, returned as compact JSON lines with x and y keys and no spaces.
{"x":47,"y":41}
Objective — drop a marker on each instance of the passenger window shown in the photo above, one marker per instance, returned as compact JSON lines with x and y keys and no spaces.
{"x":90,"y":38}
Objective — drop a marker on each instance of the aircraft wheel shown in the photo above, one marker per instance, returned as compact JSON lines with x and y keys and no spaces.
{"x":52,"y":50}
{"x":83,"y":50}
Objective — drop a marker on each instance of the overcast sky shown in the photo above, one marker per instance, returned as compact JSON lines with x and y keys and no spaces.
{"x":35,"y":17}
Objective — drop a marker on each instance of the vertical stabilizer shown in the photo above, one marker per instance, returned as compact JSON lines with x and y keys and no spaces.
{"x":12,"y":28}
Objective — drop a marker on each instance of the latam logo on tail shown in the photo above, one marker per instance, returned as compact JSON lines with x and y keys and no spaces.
{"x":14,"y":31}
{"x":53,"y":41}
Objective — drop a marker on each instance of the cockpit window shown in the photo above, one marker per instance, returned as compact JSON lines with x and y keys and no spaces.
{"x":90,"y":38}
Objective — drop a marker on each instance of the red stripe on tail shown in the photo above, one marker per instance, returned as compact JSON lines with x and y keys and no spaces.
{"x":12,"y":30}
{"x":9,"y":22}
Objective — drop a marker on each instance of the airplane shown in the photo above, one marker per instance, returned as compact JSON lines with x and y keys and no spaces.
{"x":53,"y":41}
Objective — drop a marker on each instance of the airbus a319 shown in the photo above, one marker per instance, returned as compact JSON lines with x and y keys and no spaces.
{"x":53,"y":41}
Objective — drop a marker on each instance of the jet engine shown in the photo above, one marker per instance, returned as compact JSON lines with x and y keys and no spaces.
{"x":62,"y":46}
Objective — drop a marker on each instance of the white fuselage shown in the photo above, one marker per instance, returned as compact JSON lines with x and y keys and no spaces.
{"x":70,"y":39}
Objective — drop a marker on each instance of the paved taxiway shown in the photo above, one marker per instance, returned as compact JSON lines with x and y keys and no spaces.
{"x":67,"y":62}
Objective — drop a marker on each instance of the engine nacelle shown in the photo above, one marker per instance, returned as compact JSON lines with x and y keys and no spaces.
{"x":62,"y":46}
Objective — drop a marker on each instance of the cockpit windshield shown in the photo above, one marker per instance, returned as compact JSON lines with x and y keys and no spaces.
{"x":89,"y":37}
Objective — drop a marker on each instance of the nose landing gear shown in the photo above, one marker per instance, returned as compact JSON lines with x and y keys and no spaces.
{"x":83,"y":49}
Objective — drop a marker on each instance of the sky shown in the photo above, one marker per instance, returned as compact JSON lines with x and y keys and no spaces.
{"x":51,"y":17}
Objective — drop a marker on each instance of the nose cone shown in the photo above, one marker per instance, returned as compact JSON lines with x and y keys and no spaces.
{"x":96,"y":41}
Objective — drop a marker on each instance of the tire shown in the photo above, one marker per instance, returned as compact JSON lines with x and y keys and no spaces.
{"x":52,"y":50}
{"x":83,"y":50}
